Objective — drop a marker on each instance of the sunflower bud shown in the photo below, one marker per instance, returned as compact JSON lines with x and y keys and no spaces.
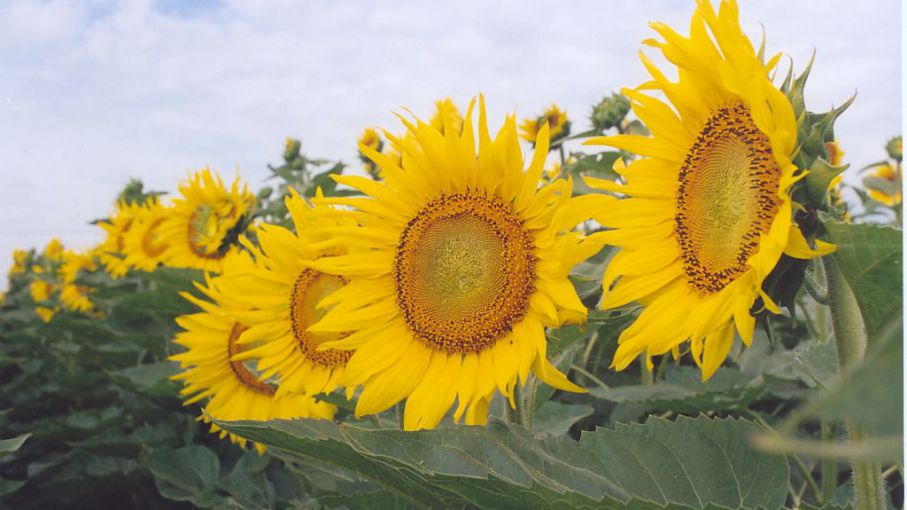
{"x":291,"y":149}
{"x":609,"y":112}
{"x":895,"y":148}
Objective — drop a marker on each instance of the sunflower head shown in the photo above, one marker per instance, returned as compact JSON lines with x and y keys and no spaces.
{"x":44,"y":313}
{"x":461,"y":262}
{"x":21,"y":260}
{"x":143,"y":246}
{"x":232,"y":388}
{"x":111,"y":251}
{"x":895,"y":148}
{"x":40,"y":290}
{"x":554,"y":118}
{"x":609,"y":112}
{"x":706,"y":212}
{"x":53,"y":251}
{"x":291,"y":149}
{"x":74,"y":296}
{"x":203,"y":225}
{"x":884,"y":184}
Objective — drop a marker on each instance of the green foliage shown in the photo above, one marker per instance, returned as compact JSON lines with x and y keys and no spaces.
{"x":699,"y":460}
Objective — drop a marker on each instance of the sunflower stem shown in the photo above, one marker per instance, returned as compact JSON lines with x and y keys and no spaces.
{"x":515,"y":412}
{"x":829,"y":466}
{"x":850,"y":339}
{"x":645,"y":373}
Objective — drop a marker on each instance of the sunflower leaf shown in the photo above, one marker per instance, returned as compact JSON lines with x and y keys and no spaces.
{"x":870,"y":256}
{"x":500,"y":466}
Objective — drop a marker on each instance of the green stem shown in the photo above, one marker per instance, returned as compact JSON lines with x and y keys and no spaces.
{"x":829,"y":466}
{"x":515,"y":413}
{"x":850,"y":338}
{"x":589,"y":375}
{"x":645,"y":373}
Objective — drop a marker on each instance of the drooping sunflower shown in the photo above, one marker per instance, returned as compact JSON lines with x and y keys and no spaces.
{"x":111,"y":251}
{"x":279,"y":301}
{"x":74,"y":296}
{"x":462,"y":263}
{"x":203,"y":225}
{"x":142,"y":244}
{"x":232,"y":389}
{"x":554,"y":118}
{"x":707,"y":211}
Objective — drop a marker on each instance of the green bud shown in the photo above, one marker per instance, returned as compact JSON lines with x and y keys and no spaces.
{"x":264,"y":193}
{"x":895,"y":148}
{"x":291,"y":151}
{"x":609,"y":112}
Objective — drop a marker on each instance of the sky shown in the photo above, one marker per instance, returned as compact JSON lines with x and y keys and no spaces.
{"x":94,"y":92}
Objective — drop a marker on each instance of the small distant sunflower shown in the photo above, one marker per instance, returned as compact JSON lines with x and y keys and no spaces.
{"x":111,"y":251}
{"x":44,"y":313}
{"x":372,"y":140}
{"x":202,"y":227}
{"x":554,"y":118}
{"x":20,"y":262}
{"x":890,"y":191}
{"x":40,"y":290}
{"x":461,"y":262}
{"x":446,"y":109}
{"x":835,"y":156}
{"x":707,"y":212}
{"x":54,"y":250}
{"x":142,"y":244}
{"x":234,"y":391}
{"x":74,"y":296}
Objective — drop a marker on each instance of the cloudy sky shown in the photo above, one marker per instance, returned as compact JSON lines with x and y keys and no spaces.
{"x":94,"y":92}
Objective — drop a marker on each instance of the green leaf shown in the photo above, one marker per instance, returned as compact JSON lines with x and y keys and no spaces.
{"x":687,"y":463}
{"x":186,"y":474}
{"x":153,"y":378}
{"x":869,"y":395}
{"x":683,"y":391}
{"x":8,"y":446}
{"x":870,"y":256}
{"x":556,"y":418}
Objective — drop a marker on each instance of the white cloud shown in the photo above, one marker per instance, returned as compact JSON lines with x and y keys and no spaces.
{"x":95,"y":92}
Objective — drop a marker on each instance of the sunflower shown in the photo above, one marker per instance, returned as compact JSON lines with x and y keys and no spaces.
{"x":554,"y":118}
{"x":41,"y":292}
{"x":707,"y":211}
{"x":142,"y":244}
{"x":74,"y":296}
{"x":446,"y":109}
{"x":836,"y":195}
{"x":235,"y":392}
{"x":54,"y":250}
{"x":111,"y":251}
{"x":44,"y":313}
{"x":371,"y":140}
{"x":20,"y":262}
{"x":202,"y":226}
{"x":288,"y":291}
{"x":889,"y":192}
{"x":462,"y":261}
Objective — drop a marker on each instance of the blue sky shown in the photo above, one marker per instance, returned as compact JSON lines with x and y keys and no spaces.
{"x":95,"y":92}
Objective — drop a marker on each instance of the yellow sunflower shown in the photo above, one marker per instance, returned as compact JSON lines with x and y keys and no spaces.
{"x":461,"y":262}
{"x":74,"y":296}
{"x":554,"y":118}
{"x":40,"y":290}
{"x":142,"y":244}
{"x":44,"y":313}
{"x":278,"y":301}
{"x":446,"y":108}
{"x":707,"y":210}
{"x":202,"y":226}
{"x":54,"y":250}
{"x":889,"y":175}
{"x":20,"y":262}
{"x":233,"y":391}
{"x":111,"y":251}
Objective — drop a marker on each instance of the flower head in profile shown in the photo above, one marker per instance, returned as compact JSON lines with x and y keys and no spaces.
{"x":554,"y":118}
{"x":143,"y":245}
{"x":706,"y":213}
{"x":884,"y":184}
{"x":462,"y":259}
{"x":111,"y":250}
{"x":232,"y":390}
{"x":446,"y":109}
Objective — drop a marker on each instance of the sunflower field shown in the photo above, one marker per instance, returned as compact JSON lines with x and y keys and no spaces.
{"x":676,"y":302}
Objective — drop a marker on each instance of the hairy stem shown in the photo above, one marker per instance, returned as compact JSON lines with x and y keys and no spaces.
{"x":850,"y":339}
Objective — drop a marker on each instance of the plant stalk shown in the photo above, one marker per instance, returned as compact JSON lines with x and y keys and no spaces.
{"x":850,"y":339}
